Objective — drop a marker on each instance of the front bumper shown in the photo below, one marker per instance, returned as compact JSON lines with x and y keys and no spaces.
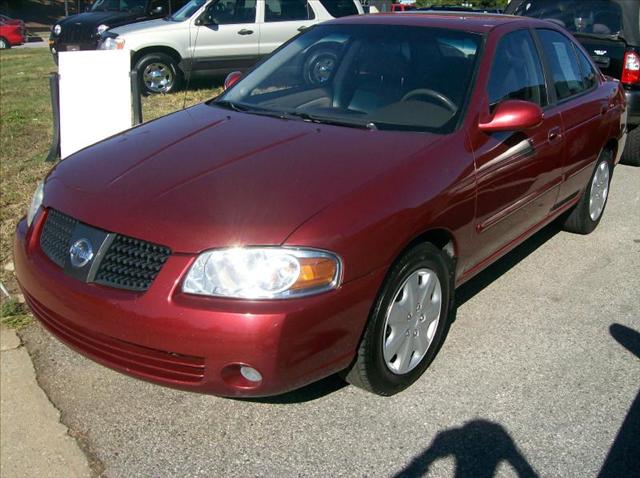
{"x":195,"y":343}
{"x":57,"y":45}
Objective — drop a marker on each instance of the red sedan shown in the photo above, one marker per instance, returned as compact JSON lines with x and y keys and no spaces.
{"x":318,"y":216}
{"x":12,"y":32}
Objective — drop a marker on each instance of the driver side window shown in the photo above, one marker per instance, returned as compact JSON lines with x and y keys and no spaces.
{"x":516,"y":73}
{"x":229,"y":12}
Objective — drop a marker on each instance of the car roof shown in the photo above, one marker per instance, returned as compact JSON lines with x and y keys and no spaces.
{"x":465,"y":21}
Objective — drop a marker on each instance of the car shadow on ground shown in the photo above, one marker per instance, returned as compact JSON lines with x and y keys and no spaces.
{"x":623,"y":458}
{"x":477,"y":448}
{"x":464,"y":293}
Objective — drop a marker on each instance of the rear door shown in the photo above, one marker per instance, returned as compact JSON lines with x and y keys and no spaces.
{"x":283,"y":19}
{"x":583,"y":106}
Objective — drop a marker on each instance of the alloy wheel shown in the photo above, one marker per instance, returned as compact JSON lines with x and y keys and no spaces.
{"x":158,"y":77}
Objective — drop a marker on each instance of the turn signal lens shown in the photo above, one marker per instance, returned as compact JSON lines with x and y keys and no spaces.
{"x":315,"y":272}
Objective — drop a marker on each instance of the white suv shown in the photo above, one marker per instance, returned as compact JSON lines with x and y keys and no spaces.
{"x":208,"y":37}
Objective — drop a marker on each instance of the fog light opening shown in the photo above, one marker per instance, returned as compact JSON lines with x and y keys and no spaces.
{"x":250,"y":374}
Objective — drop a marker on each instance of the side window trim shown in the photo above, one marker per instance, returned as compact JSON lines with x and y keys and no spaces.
{"x":552,"y":98}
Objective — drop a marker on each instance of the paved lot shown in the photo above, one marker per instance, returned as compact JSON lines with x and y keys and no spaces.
{"x":536,"y":378}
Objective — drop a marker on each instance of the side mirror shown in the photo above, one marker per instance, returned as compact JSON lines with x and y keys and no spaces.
{"x":231,"y":79}
{"x":512,"y":115}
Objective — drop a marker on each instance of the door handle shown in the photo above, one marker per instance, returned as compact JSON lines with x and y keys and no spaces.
{"x":244,"y":31}
{"x":554,"y":133}
{"x":303,"y":28}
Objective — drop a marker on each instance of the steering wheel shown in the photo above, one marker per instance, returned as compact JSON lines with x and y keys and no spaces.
{"x":436,"y":95}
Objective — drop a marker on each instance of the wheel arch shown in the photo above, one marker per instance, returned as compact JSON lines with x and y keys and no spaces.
{"x":167,"y":50}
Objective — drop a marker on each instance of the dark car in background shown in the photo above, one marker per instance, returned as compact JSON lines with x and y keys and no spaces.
{"x":610,"y":31}
{"x":82,"y":31}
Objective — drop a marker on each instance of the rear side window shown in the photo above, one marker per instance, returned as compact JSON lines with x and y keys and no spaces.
{"x":516,"y":73}
{"x":588,"y":73}
{"x":566,"y":75}
{"x":599,"y":17}
{"x":287,"y":10}
{"x":340,"y":8}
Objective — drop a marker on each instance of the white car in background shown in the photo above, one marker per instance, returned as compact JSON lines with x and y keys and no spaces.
{"x":212,"y":37}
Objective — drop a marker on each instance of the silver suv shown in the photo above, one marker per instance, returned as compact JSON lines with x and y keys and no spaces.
{"x":208,"y":37}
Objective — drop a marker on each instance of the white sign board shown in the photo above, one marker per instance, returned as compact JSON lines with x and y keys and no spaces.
{"x":95,"y":97}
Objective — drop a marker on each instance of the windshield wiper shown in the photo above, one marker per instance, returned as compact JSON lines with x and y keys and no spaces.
{"x":333,"y":121}
{"x":294,"y":115}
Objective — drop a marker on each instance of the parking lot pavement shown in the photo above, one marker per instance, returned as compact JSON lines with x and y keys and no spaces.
{"x":536,"y":377}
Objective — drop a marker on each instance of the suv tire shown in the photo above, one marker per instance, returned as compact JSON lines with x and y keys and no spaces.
{"x":158,"y":73}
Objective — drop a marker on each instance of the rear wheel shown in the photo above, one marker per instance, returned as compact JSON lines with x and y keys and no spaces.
{"x":4,"y":44}
{"x":586,"y":216}
{"x":631,"y":154}
{"x":158,"y":73}
{"x":407,"y":325}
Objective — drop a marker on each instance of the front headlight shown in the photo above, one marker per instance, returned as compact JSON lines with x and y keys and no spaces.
{"x":57,"y":29}
{"x":36,"y":202}
{"x":112,"y":43}
{"x":102,"y":28}
{"x":263,"y":273}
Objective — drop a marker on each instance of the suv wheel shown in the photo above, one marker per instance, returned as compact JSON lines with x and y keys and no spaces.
{"x":4,"y":44}
{"x":631,"y":154}
{"x":158,"y":73}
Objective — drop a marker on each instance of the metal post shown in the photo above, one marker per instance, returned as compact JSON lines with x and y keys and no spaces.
{"x":136,"y":98}
{"x":54,"y":86}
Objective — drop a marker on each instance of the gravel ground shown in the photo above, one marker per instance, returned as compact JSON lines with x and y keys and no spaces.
{"x":536,"y":378}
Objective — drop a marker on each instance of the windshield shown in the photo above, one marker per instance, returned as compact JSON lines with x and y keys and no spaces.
{"x":376,"y":76}
{"x":119,"y":5}
{"x":596,"y":17}
{"x":187,"y":10}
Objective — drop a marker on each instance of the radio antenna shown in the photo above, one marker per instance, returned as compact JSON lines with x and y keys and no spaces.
{"x":193,"y":54}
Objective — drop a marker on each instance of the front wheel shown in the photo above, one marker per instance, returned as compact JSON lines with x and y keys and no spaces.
{"x":586,"y":216}
{"x":4,"y":44}
{"x":408,"y":324}
{"x":158,"y":73}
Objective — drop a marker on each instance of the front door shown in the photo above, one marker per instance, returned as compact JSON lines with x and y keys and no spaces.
{"x":518,"y":173}
{"x":231,"y":38}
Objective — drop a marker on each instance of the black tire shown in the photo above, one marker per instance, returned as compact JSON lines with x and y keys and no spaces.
{"x":579,"y":220}
{"x":319,"y":65}
{"x":166,"y":67}
{"x":4,"y":44}
{"x":631,"y":154}
{"x":370,"y":370}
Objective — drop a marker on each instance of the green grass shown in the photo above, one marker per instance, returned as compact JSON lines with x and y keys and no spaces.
{"x":25,"y":134}
{"x":14,"y":314}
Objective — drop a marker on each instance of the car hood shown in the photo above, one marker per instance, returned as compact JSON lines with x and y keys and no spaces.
{"x":99,"y":18}
{"x":205,"y":177}
{"x":145,"y":27}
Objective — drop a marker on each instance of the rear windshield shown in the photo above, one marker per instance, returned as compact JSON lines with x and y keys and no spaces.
{"x":598,"y":17}
{"x":340,"y":8}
